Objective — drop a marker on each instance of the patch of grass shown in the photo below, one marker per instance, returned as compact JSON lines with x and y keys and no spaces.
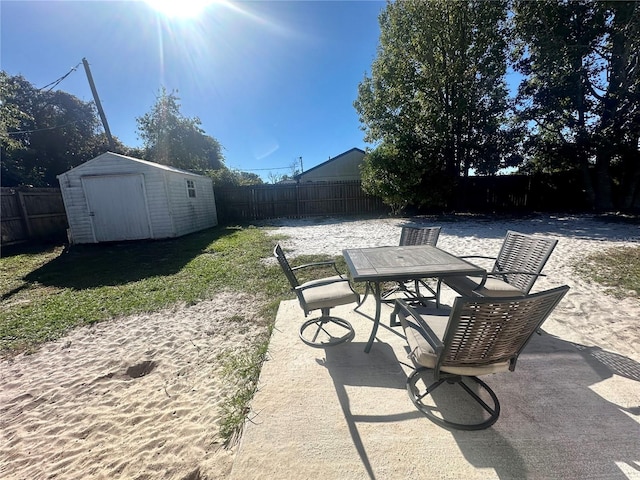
{"x":243,"y":371}
{"x":45,"y":293}
{"x":617,"y":269}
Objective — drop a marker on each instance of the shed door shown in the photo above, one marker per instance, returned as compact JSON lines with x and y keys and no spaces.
{"x":117,"y":207}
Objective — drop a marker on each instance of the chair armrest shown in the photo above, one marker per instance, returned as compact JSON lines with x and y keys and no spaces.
{"x":426,"y":332}
{"x":477,"y":256}
{"x":318,"y":264}
{"x":500,"y":274}
{"x":515,"y":272}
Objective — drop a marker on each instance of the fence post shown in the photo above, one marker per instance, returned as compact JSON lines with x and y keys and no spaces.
{"x":25,"y":215}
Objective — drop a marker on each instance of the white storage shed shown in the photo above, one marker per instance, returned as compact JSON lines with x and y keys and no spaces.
{"x":114,"y":197}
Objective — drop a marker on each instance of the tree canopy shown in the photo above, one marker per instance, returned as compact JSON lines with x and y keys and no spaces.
{"x":436,"y":105}
{"x":581,"y":91}
{"x":44,"y":133}
{"x":436,"y":95}
{"x":172,"y":139}
{"x":225,"y":177}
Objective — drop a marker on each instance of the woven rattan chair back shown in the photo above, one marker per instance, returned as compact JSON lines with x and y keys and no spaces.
{"x":523,"y":253}
{"x":484,"y":331}
{"x":419,"y":235}
{"x":286,"y":267}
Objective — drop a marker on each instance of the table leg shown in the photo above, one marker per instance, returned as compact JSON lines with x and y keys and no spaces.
{"x":364,"y":297}
{"x":376,"y":321}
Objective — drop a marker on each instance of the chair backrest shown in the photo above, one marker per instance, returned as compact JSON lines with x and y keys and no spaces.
{"x":483,"y":331}
{"x":286,"y":268}
{"x":419,"y":235}
{"x":523,"y":253}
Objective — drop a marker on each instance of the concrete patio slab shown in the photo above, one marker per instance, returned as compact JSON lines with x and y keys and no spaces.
{"x":568,"y":412}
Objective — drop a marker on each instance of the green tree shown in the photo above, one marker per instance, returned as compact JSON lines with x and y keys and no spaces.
{"x":173,"y":139}
{"x":225,"y":177}
{"x":437,"y":96}
{"x":581,"y":61}
{"x":44,"y":133}
{"x":390,"y":176}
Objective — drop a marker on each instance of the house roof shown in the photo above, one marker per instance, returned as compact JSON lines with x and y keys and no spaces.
{"x":324,"y":164}
{"x":133,"y":159}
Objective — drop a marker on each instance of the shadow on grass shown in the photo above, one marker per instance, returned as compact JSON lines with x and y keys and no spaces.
{"x":89,"y":266}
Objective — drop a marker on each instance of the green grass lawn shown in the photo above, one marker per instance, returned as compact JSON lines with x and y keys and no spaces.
{"x":46,"y":291}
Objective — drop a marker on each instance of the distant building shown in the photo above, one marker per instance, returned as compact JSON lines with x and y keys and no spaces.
{"x":344,"y":167}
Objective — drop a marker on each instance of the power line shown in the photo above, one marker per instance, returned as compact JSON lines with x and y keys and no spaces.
{"x":264,"y":169}
{"x":42,"y":129}
{"x":55,"y":83}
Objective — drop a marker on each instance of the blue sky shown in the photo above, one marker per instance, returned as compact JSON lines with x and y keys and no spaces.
{"x":272,"y":81}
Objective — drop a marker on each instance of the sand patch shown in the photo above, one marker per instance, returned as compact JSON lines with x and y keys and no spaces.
{"x":136,"y":397}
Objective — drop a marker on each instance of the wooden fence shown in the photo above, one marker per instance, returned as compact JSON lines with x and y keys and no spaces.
{"x":256,"y":202}
{"x":32,"y":214}
{"x":508,"y":193}
{"x":520,"y":193}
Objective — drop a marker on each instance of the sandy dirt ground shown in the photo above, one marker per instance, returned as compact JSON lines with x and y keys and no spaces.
{"x":139,"y":397}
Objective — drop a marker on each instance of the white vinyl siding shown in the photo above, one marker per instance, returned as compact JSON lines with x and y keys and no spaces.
{"x":170,"y":213}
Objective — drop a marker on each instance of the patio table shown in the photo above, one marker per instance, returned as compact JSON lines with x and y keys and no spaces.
{"x":376,"y":265}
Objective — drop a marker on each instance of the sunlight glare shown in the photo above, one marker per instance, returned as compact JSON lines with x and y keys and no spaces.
{"x":180,"y":9}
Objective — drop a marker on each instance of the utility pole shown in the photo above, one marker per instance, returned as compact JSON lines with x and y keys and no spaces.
{"x":98,"y":104}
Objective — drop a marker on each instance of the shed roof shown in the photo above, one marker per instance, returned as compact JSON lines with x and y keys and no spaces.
{"x":132,"y":159}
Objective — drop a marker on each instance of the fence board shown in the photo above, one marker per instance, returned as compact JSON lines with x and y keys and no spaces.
{"x":32,"y":214}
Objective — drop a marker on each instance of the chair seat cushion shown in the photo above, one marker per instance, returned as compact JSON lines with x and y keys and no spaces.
{"x":423,"y":353}
{"x":318,"y":294}
{"x":493,"y":287}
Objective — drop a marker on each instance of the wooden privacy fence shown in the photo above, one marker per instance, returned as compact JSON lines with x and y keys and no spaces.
{"x":520,"y":193}
{"x":508,"y":193}
{"x":32,"y":214}
{"x":257,"y":202}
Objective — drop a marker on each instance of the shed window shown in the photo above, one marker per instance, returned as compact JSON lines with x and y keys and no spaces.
{"x":191,"y":189}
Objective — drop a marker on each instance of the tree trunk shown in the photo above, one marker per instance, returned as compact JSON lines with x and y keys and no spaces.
{"x":603,"y":191}
{"x":589,"y":190}
{"x":609,"y":132}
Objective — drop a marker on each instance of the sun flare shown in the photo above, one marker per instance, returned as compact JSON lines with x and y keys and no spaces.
{"x":180,"y":8}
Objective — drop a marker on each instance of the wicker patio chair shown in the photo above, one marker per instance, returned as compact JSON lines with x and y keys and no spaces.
{"x":321,"y":294}
{"x":452,"y":346}
{"x":411,"y":289}
{"x":516,"y":268}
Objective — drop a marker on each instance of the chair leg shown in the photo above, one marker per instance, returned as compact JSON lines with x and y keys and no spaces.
{"x":412,"y":296}
{"x":419,"y":396}
{"x":438,"y":291}
{"x":326,"y":331}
